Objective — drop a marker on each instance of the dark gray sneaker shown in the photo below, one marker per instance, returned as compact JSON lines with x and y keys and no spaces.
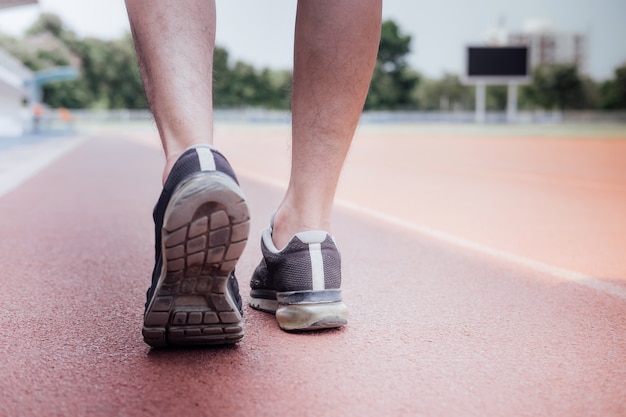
{"x":201,"y":227}
{"x":301,"y":283}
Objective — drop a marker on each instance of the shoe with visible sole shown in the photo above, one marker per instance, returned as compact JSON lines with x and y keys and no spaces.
{"x":300,"y":284}
{"x":201,"y":226}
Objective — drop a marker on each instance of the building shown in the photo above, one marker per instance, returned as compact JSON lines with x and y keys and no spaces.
{"x":14,"y":90}
{"x":548,"y":46}
{"x":14,"y":78}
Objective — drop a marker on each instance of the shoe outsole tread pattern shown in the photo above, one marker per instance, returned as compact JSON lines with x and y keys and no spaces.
{"x":205,"y":230}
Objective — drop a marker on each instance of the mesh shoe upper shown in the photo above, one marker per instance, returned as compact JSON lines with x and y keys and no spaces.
{"x":300,"y":284}
{"x":309,"y":262}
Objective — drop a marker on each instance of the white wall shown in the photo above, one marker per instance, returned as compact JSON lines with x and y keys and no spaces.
{"x":12,"y":94}
{"x":11,"y":111}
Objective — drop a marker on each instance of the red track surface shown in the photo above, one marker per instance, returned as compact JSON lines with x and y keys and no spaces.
{"x":436,"y":329}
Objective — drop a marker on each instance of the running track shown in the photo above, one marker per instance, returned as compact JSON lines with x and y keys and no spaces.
{"x":485,"y":274}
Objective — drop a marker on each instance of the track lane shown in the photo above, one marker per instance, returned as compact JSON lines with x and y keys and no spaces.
{"x":435,"y":329}
{"x":555,"y":200}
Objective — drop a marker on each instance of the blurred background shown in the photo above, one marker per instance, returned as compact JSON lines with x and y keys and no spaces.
{"x":63,"y":61}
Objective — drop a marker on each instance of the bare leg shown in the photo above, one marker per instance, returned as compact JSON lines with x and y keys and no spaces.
{"x":335,"y":51}
{"x":175,"y":44}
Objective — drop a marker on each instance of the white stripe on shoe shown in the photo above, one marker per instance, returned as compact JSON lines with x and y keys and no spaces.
{"x":205,"y":156}
{"x":317,"y":266}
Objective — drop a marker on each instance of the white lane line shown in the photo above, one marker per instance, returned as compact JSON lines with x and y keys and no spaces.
{"x":557,"y":272}
{"x":553,"y":271}
{"x":22,"y":162}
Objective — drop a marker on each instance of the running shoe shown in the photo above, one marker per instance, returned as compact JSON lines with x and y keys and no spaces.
{"x":301,"y":283}
{"x":201,"y":226}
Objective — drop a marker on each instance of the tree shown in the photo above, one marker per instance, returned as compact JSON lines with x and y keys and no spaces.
{"x":393,"y":81}
{"x":109,"y":75}
{"x":556,"y":86}
{"x":241,"y":85}
{"x":47,"y":22}
{"x":613,"y":92}
{"x":110,"y":69}
{"x":447,"y":93}
{"x":496,"y":97}
{"x":589,"y":97}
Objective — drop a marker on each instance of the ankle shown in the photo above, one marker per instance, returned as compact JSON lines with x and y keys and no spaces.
{"x":170,"y":160}
{"x":172,"y":155}
{"x":288,"y":222}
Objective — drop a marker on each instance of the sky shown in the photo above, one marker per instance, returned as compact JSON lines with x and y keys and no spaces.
{"x":261,"y":31}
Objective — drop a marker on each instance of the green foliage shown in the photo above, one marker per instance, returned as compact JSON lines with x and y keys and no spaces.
{"x":396,"y":86}
{"x":447,"y":94}
{"x":68,"y":94}
{"x":241,"y":85}
{"x":589,"y":97}
{"x":496,"y":97}
{"x":393,"y":47}
{"x":613,"y":92}
{"x":34,"y":58}
{"x":110,"y":78}
{"x":555,"y":86}
{"x":393,"y":82}
{"x":47,"y":22}
{"x":112,"y":74}
{"x":109,"y":75}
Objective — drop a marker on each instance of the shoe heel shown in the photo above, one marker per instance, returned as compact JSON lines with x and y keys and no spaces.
{"x":205,"y":230}
{"x":301,"y":317}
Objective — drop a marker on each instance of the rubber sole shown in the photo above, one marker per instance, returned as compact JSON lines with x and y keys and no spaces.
{"x":205,"y":230}
{"x":303,"y":316}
